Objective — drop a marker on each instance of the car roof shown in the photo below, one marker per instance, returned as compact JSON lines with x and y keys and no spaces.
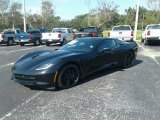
{"x":152,"y":24}
{"x":98,"y":38}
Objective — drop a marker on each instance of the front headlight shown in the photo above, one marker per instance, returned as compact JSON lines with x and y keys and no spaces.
{"x":44,"y":66}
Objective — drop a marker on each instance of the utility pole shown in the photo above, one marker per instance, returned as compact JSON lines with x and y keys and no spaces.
{"x":88,"y":2}
{"x":12,"y":16}
{"x":24,"y":10}
{"x":136,"y":21}
{"x":143,"y":21}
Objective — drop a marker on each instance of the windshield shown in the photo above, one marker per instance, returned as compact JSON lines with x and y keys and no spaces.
{"x":153,"y":27}
{"x":121,"y":28}
{"x":81,"y":45}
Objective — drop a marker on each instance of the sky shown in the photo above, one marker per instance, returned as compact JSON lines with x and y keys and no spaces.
{"x":68,"y":9}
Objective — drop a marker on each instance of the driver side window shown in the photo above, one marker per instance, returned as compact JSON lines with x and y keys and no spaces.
{"x":106,"y":44}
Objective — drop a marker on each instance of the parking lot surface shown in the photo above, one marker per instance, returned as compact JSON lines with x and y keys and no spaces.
{"x":110,"y":94}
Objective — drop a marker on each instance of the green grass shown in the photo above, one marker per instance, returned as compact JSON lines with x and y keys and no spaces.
{"x":139,"y":33}
{"x":105,"y":33}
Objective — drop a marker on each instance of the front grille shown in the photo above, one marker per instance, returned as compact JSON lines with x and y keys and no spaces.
{"x":24,"y":77}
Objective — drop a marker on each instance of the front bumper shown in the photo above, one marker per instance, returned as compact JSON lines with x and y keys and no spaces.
{"x":27,"y":40}
{"x":45,"y":80}
{"x":53,"y":41}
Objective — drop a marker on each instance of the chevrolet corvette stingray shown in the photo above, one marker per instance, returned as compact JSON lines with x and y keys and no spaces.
{"x":64,"y":67}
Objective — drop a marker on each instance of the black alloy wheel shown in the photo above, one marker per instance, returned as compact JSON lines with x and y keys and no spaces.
{"x":129,"y":59}
{"x":68,"y":77}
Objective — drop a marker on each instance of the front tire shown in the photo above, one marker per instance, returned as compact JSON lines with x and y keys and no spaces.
{"x":68,"y":77}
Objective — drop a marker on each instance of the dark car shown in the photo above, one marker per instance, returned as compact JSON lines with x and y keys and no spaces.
{"x":89,"y":32}
{"x":63,"y":68}
{"x":32,"y":36}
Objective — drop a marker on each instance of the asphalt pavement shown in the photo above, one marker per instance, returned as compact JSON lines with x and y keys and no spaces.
{"x":110,"y":94}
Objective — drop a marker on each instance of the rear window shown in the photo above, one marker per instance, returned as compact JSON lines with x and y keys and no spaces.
{"x":9,"y":32}
{"x":90,"y":29}
{"x":153,"y":27}
{"x":59,"y":30}
{"x":117,"y":28}
{"x":31,"y":32}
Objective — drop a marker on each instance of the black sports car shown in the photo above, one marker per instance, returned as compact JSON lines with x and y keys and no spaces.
{"x":64,"y":67}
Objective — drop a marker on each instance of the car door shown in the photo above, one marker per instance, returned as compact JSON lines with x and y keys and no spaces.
{"x":106,"y":48}
{"x":119,"y":51}
{"x":102,"y":57}
{"x":70,"y":34}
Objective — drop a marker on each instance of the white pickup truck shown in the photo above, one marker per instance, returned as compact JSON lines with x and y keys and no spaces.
{"x":151,"y":33}
{"x":122,"y":32}
{"x":58,"y":35}
{"x":1,"y":37}
{"x":10,"y":36}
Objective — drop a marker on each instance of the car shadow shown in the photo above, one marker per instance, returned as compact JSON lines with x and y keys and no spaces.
{"x":106,"y":71}
{"x":90,"y":77}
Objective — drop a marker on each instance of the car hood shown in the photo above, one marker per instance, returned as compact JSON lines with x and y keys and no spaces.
{"x":31,"y":60}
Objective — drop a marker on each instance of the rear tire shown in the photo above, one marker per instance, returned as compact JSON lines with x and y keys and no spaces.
{"x":129,"y":59}
{"x":9,"y":42}
{"x":47,"y":44}
{"x":68,"y":77}
{"x":145,"y":42}
{"x":142,"y":40}
{"x":37,"y":43}
{"x":63,"y":42}
{"x":21,"y":44}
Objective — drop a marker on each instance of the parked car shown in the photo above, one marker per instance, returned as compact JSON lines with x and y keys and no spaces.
{"x":122,"y":32}
{"x":10,"y":36}
{"x":91,"y":31}
{"x":43,"y":30}
{"x":63,"y":68}
{"x":58,"y":35}
{"x":151,"y":33}
{"x":32,"y":36}
{"x":1,"y":37}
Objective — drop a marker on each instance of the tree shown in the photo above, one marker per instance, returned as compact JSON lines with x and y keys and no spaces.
{"x":4,"y":4}
{"x":155,"y":6}
{"x":47,"y":12}
{"x":79,"y":21}
{"x":15,"y":16}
